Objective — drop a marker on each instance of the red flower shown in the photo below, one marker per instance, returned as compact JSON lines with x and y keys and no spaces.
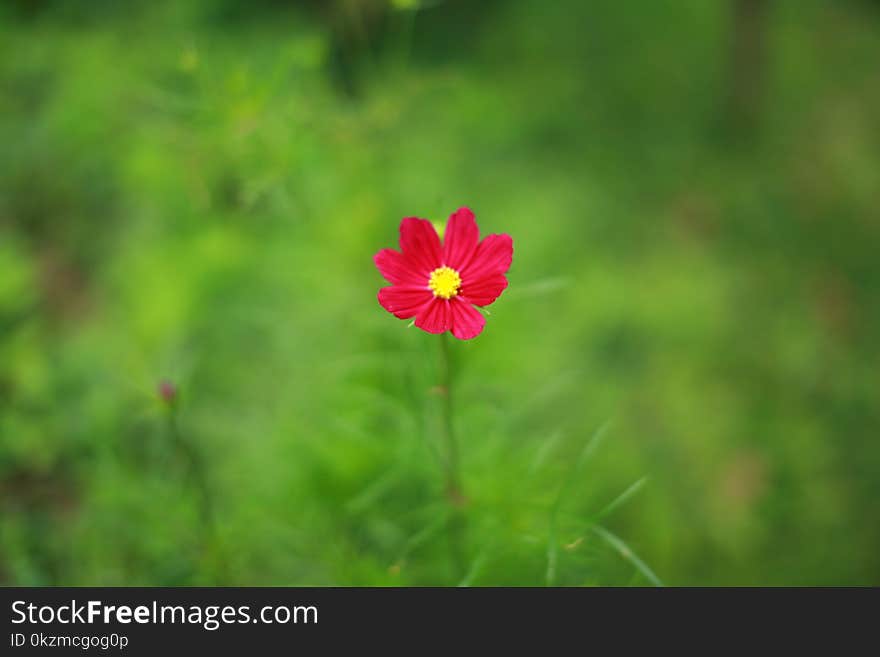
{"x":439,"y":284}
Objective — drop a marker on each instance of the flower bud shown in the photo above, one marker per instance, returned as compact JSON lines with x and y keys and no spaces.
{"x":167,"y":392}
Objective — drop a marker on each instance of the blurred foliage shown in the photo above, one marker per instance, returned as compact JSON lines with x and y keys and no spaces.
{"x":194,"y":192}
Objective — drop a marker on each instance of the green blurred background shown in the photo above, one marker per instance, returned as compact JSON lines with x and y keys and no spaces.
{"x":193,"y":192}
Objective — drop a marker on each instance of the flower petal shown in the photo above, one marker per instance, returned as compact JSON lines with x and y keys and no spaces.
{"x":467,"y":321}
{"x":420,"y":245}
{"x":397,"y":269}
{"x":493,"y":256}
{"x":483,"y":291}
{"x":404,"y":301}
{"x":435,"y":317}
{"x":460,"y":239}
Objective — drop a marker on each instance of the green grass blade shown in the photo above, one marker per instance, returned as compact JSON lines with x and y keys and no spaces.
{"x":589,"y":448}
{"x":546,"y":447}
{"x":628,"y":555}
{"x":552,"y":543}
{"x":421,"y":537}
{"x":621,"y":499}
{"x":475,"y":568}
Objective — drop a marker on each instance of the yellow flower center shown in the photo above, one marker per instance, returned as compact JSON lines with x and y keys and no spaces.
{"x":444,"y":282}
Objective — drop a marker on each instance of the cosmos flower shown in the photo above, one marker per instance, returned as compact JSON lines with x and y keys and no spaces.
{"x":440,"y":283}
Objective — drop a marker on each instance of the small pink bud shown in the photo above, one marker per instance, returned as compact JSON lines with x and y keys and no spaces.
{"x":167,"y":391}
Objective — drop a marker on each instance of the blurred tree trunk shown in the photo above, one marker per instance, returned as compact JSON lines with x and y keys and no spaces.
{"x":748,"y":63}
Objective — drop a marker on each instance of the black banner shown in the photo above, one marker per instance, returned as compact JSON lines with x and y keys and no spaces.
{"x":151,"y":621}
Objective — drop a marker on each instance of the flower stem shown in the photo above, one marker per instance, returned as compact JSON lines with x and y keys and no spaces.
{"x":198,"y":479}
{"x":455,"y":522}
{"x":451,"y":461}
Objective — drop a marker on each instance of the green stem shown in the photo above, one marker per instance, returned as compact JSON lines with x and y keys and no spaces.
{"x":197,"y":478}
{"x":451,"y":461}
{"x":455,"y":524}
